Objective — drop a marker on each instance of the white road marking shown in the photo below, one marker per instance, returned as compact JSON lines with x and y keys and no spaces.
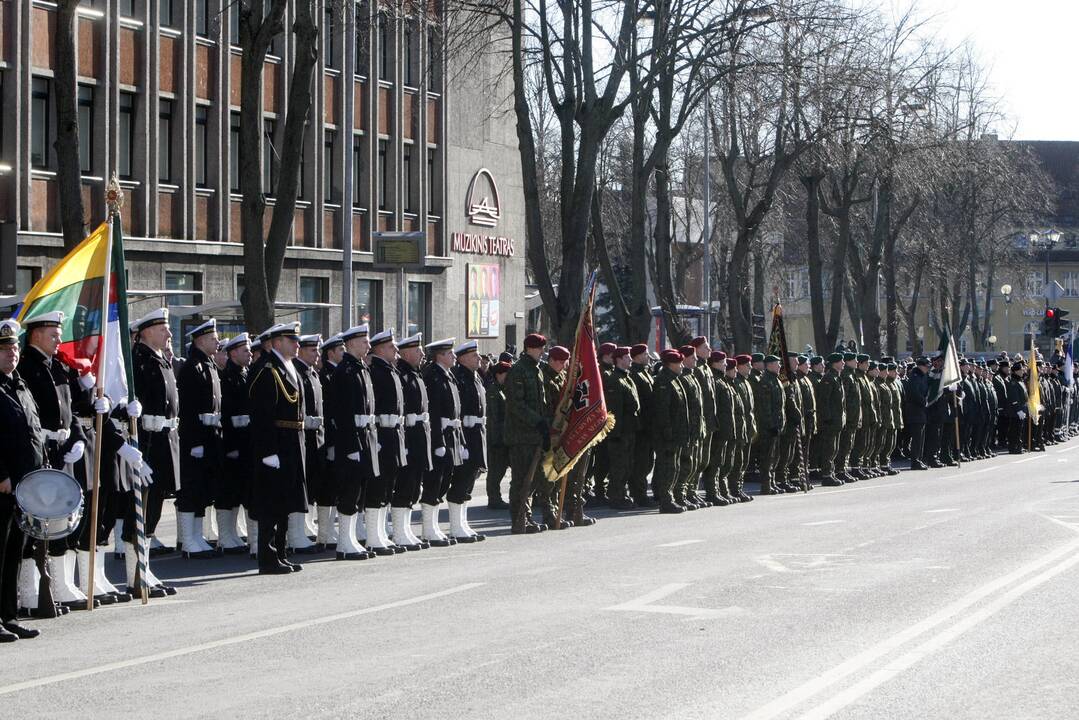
{"x":680,"y":543}
{"x":823,"y":522}
{"x":855,"y":489}
{"x":225,"y":642}
{"x":772,"y":564}
{"x":943,"y":510}
{"x":1034,"y":457}
{"x":889,"y":671}
{"x":644,"y":604}
{"x":1067,"y":449}
{"x":848,"y":667}
{"x":972,"y":472}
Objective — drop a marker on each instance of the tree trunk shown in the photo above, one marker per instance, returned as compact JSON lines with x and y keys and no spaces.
{"x":622,"y":319}
{"x":288,"y":183}
{"x":892,"y":316}
{"x":816,"y":266}
{"x":738,"y":292}
{"x":68,"y":162}
{"x":665,"y":290}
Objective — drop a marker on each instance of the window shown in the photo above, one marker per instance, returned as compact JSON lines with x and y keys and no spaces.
{"x":25,"y":278}
{"x":202,"y":120}
{"x":1035,"y":284}
{"x":409,"y":50}
{"x":406,"y":176}
{"x":234,"y":24}
{"x":329,"y":146}
{"x":434,"y":61}
{"x":267,"y":6}
{"x":315,"y":320}
{"x":166,"y":13}
{"x":86,"y":128}
{"x":369,"y":302}
{"x":383,"y":47}
{"x":432,"y":184}
{"x":269,"y":155}
{"x":419,"y":308}
{"x":164,"y":141}
{"x":188,"y":281}
{"x":1070,"y":281}
{"x":234,"y":152}
{"x":357,"y":170}
{"x":40,"y":123}
{"x":328,"y":33}
{"x":202,"y":18}
{"x":383,"y":175}
{"x":126,"y":132}
{"x":127,"y":8}
{"x":363,"y":39}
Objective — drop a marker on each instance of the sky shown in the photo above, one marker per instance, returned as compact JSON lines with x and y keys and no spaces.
{"x":1030,"y":49}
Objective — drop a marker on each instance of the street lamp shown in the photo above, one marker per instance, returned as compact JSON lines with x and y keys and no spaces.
{"x":992,"y":340}
{"x":1045,"y":240}
{"x":1006,"y":291}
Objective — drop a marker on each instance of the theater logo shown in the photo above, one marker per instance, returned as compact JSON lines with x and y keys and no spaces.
{"x":484,"y":209}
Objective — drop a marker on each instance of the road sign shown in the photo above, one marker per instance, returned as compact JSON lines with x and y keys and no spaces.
{"x":1054,"y":291}
{"x":399,"y":250}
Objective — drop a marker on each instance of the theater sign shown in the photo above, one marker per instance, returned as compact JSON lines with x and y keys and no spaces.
{"x":484,"y":209}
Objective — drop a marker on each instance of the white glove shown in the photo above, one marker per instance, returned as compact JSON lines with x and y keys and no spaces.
{"x":134,"y":409}
{"x":131,"y":455}
{"x":196,"y":452}
{"x":440,"y":452}
{"x":1041,"y":409}
{"x":102,"y":405}
{"x":953,"y":386}
{"x":378,"y":447}
{"x":75,"y":453}
{"x":464,"y":453}
{"x":1022,"y":415}
{"x":146,"y":474}
{"x":329,"y":454}
{"x":311,"y":422}
{"x":241,"y":421}
{"x":87,"y":381}
{"x":272,"y":461}
{"x":232,"y":454}
{"x":959,"y":396}
{"x":354,"y":456}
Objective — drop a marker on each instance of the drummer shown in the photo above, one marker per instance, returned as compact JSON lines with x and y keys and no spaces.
{"x":21,"y":452}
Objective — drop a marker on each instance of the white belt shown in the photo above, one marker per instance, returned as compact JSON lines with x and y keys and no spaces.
{"x":472,"y":421}
{"x":87,"y":423}
{"x":58,"y":436}
{"x":389,"y":421}
{"x":363,"y":421}
{"x":157,"y":423}
{"x":210,"y":419}
{"x":413,"y":419}
{"x":312,"y":422}
{"x":241,"y":421}
{"x":447,"y":423}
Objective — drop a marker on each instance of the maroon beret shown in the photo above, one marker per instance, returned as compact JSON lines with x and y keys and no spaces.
{"x":698,"y":341}
{"x":501,"y":367}
{"x":607,"y":348}
{"x":743,"y":359}
{"x":620,"y":352}
{"x":558,"y":353}
{"x":671,"y":356}
{"x":686,"y":350}
{"x":731,"y":363}
{"x":534,"y":340}
{"x":717,"y":356}
{"x":638,"y":349}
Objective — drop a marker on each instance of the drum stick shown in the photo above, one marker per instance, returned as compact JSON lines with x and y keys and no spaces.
{"x":98,"y":420}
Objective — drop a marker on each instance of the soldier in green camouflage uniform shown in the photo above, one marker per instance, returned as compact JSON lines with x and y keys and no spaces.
{"x":798,"y":470}
{"x":816,"y":372}
{"x":863,"y":440}
{"x":707,"y":381}
{"x":498,"y":452}
{"x":831,"y":410}
{"x":747,"y":413}
{"x":792,"y":428}
{"x":527,"y":429}
{"x":643,"y":454}
{"x":686,"y":493}
{"x":771,"y":413}
{"x":723,"y":437}
{"x":852,"y":398}
{"x":670,"y":430}
{"x":545,"y":493}
{"x":622,"y":401}
{"x":891,"y":414}
{"x":601,"y":461}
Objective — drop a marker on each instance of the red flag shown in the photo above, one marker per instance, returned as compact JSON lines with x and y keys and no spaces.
{"x":581,"y":416}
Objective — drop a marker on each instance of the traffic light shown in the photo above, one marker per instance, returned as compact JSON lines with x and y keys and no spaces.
{"x":1063,"y":327}
{"x":1049,"y":323}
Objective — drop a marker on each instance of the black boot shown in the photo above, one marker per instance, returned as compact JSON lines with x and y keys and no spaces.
{"x":267,"y":555}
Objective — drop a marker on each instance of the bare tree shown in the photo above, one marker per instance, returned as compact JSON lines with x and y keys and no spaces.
{"x":68,"y":162}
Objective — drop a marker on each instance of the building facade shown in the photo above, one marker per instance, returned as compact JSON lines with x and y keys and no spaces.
{"x":402,"y":136}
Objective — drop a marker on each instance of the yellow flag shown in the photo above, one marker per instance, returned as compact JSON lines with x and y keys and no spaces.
{"x":1034,"y":395}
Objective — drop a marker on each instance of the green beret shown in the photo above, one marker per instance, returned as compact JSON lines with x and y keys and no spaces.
{"x":835,"y":357}
{"x":872,"y":365}
{"x":791,"y":354}
{"x":757,"y":357}
{"x":862,"y":358}
{"x":891,"y":366}
{"x":802,"y":359}
{"x":771,"y":359}
{"x":818,"y":360}
{"x":847,"y":356}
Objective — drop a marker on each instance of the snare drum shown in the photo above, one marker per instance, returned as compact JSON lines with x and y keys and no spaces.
{"x":50,"y":504}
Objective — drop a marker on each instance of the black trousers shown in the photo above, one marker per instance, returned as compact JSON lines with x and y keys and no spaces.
{"x":106,"y":516}
{"x":436,"y":482}
{"x":406,"y":491}
{"x":916,"y":433}
{"x":1017,"y":433}
{"x":272,"y":533}
{"x":462,"y":481}
{"x":153,"y":513}
{"x":353,"y":479}
{"x":932,"y":441}
{"x":233,"y":486}
{"x":11,"y":546}
{"x":196,"y":484}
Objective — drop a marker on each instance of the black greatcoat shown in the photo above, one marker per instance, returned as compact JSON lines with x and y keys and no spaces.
{"x":474,"y":404}
{"x":353,"y":396}
{"x":314,"y":438}
{"x":48,"y":383}
{"x":236,"y":485}
{"x":199,"y":386}
{"x":417,"y":436}
{"x":277,"y":404}
{"x":155,"y":387}
{"x":389,"y":400}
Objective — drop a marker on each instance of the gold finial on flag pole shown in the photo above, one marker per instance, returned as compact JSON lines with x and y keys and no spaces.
{"x":114,"y":196}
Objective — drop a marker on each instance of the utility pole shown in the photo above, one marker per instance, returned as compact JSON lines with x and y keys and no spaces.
{"x":706,"y":286}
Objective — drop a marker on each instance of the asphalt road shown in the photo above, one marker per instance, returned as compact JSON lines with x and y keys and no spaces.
{"x":947,"y":593}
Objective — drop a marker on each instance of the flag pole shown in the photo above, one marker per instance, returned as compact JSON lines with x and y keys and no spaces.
{"x":99,"y":418}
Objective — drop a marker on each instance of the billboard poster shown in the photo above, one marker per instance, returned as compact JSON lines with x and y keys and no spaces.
{"x":484,"y":295}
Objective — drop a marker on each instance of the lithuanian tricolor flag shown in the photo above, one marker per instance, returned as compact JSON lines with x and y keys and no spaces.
{"x":77,"y":286}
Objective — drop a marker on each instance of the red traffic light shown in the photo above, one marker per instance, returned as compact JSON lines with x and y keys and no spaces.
{"x":1049,"y":313}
